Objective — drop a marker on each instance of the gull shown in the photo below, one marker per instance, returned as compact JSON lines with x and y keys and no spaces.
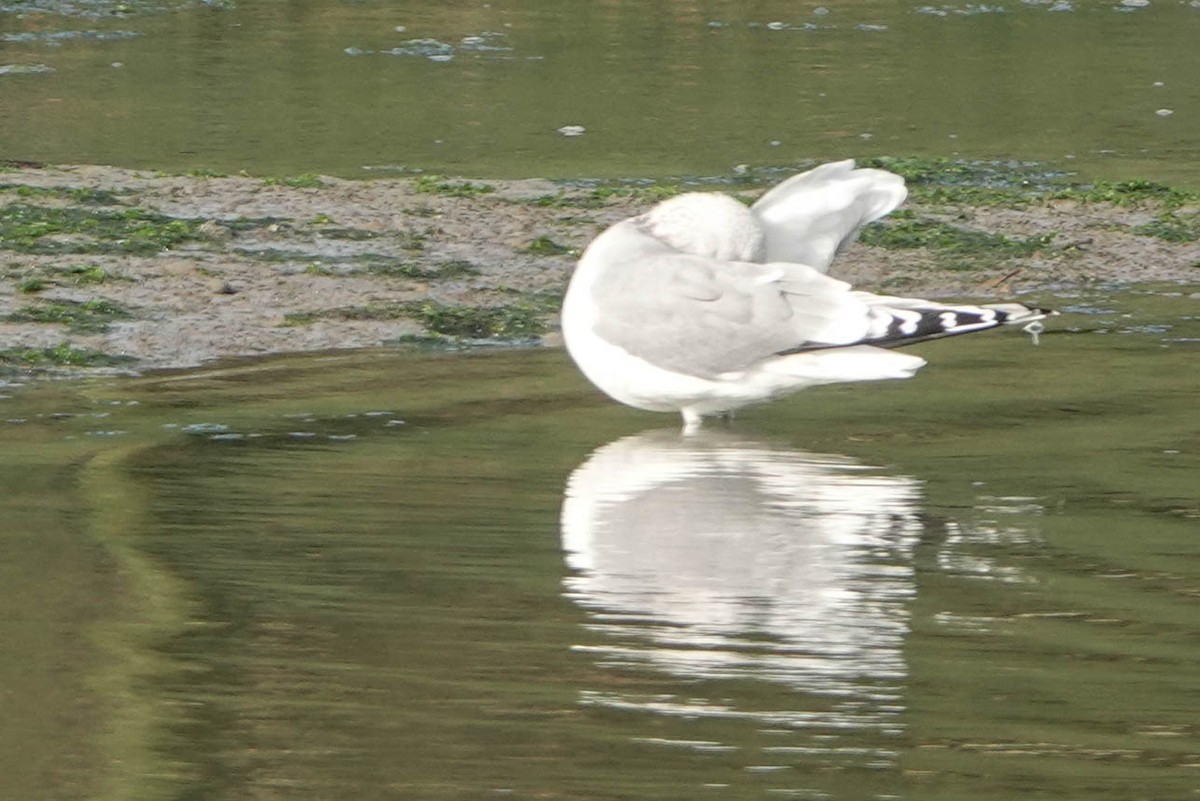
{"x":703,"y":305}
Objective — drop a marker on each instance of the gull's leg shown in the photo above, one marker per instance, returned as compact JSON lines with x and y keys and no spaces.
{"x":691,"y":421}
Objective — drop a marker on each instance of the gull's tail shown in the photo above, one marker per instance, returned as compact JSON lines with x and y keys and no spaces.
{"x":897,"y":322}
{"x":910,"y":322}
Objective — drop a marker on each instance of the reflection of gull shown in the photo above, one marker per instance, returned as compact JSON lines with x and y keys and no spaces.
{"x":703,"y":306}
{"x":717,"y":557}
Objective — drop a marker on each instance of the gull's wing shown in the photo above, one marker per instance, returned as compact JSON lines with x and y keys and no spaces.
{"x":705,"y":317}
{"x":810,"y":217}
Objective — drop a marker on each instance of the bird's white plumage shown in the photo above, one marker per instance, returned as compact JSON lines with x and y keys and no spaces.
{"x":810,"y":217}
{"x":702,"y":305}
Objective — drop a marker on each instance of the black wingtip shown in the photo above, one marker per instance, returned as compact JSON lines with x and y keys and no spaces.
{"x":935,"y":321}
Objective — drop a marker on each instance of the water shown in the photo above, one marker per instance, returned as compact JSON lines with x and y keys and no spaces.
{"x":483,"y":89}
{"x":394,"y":575}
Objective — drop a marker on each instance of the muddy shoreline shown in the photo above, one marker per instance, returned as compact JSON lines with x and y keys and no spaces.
{"x":106,"y":268}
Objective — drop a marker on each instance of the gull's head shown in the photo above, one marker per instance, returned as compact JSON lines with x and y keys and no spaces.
{"x":706,"y":224}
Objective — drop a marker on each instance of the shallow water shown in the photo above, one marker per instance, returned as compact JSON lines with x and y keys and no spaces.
{"x":483,"y":89}
{"x":449,"y":576}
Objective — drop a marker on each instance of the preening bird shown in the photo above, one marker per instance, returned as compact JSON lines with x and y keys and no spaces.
{"x":703,"y":305}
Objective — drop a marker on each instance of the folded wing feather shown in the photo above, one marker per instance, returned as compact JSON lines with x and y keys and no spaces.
{"x":706,"y":318}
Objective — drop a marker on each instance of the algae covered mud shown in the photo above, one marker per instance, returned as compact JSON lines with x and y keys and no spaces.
{"x":104,"y":268}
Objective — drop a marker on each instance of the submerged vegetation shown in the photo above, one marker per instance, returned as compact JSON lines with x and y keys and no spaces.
{"x":103,"y":8}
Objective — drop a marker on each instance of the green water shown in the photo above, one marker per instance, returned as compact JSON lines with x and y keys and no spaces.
{"x":695,"y":88}
{"x":451,"y":576}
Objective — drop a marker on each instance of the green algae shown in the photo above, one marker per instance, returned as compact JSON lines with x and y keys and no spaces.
{"x":62,"y":355}
{"x":90,"y":316}
{"x":438,"y":185}
{"x":910,"y":231}
{"x":40,"y":229}
{"x":506,"y":321}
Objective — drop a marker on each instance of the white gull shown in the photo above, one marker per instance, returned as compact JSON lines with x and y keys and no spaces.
{"x":702,"y":305}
